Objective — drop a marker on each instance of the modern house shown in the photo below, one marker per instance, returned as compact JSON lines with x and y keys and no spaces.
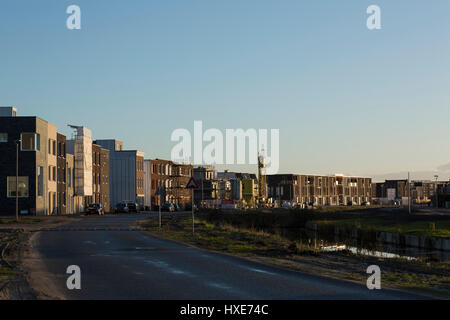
{"x":126,"y":169}
{"x":318,"y":190}
{"x":81,"y":148}
{"x":100,"y":178}
{"x":61,"y":171}
{"x":166,"y":182}
{"x":35,"y":139}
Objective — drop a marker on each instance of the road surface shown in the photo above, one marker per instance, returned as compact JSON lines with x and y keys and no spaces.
{"x":121,"y":263}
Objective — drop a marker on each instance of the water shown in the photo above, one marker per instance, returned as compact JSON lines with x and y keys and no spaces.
{"x":365,"y":252}
{"x":365,"y":244}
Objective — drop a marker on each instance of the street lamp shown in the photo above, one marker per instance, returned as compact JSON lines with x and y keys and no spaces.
{"x":436,"y":190}
{"x":17,"y":178}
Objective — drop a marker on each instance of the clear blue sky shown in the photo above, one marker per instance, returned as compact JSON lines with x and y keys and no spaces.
{"x":345,"y":99}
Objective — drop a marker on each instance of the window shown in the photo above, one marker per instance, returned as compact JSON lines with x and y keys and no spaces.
{"x":22,"y":187}
{"x":3,"y":137}
{"x":49,"y":173}
{"x":40,"y":181}
{"x":69,"y":177}
{"x":30,"y":142}
{"x":54,"y":147}
{"x":54,"y":173}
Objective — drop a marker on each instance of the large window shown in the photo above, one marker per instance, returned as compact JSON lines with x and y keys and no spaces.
{"x":30,"y":142}
{"x":22,"y":190}
{"x":3,"y":137}
{"x":69,"y":177}
{"x":40,"y":181}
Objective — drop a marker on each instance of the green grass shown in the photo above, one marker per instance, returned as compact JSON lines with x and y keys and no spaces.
{"x":417,"y":228}
{"x":375,"y":219}
{"x":226,"y":238}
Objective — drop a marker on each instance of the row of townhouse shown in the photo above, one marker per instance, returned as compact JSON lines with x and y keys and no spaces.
{"x":317,"y":190}
{"x":217,"y":188}
{"x":55,"y":175}
{"x":231,"y":189}
{"x":166,"y":183}
{"x":421,"y":192}
{"x":58,"y":175}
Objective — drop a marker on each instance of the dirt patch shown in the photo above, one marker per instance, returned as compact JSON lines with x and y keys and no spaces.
{"x":13,"y":282}
{"x":23,"y":275}
{"x":36,"y":272}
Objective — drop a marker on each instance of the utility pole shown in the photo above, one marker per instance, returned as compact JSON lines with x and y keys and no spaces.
{"x":436,"y":190}
{"x":159,"y":209}
{"x":192,"y":205}
{"x":192,"y":184}
{"x":409,"y":194}
{"x":17,"y":180}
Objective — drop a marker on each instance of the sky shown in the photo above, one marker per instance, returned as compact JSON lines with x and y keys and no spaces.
{"x":346,"y":99}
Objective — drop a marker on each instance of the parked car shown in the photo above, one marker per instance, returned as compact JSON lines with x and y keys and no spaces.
{"x":189,"y":208}
{"x":168,"y":207}
{"x":95,"y":208}
{"x":133,"y":207}
{"x":287,"y":205}
{"x":366,"y":203}
{"x":121,"y":207}
{"x":176,"y":207}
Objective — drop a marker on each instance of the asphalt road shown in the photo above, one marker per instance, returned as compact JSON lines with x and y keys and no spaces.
{"x":118,"y":263}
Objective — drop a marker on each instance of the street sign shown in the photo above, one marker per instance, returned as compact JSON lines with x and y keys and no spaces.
{"x":192,"y":184}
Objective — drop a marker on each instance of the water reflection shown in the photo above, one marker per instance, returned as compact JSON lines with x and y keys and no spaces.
{"x":365,"y":252}
{"x":365,"y":244}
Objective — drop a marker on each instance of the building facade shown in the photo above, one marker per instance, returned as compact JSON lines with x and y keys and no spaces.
{"x":161,"y":182}
{"x":61,"y":162}
{"x":167,"y":182}
{"x":104,"y":180}
{"x":314,"y":190}
{"x":36,"y":177}
{"x":126,"y":170}
{"x":180,"y":176}
{"x":81,"y":149}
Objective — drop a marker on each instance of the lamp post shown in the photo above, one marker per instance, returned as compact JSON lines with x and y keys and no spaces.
{"x":409,"y":194}
{"x":17,"y":178}
{"x":436,"y":190}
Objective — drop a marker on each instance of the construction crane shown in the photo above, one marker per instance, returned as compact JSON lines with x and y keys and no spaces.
{"x":262,"y":178}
